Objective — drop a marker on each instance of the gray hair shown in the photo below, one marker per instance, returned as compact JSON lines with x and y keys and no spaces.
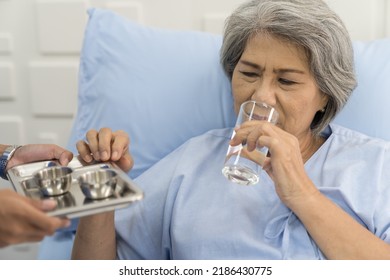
{"x":307,"y":23}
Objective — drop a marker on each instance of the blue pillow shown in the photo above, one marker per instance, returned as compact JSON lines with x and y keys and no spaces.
{"x":368,"y":109}
{"x":161,"y":86}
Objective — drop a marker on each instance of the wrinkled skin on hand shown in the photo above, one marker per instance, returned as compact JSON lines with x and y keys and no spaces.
{"x":105,"y":145}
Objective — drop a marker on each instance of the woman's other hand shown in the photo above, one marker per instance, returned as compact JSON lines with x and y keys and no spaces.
{"x":106,"y":145}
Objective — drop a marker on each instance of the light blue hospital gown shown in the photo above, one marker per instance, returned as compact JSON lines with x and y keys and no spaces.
{"x":191,"y":211}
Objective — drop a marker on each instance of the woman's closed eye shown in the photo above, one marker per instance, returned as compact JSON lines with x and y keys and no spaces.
{"x":286,"y":82}
{"x":249,"y":74}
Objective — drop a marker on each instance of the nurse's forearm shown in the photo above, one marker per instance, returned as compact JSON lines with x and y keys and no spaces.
{"x":337,"y":234}
{"x":95,"y":238}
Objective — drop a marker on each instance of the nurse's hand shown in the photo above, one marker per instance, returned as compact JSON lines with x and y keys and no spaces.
{"x":24,"y":219}
{"x":37,"y":152}
{"x":106,"y":145}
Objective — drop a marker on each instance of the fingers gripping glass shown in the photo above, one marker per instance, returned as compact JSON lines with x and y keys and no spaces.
{"x":241,"y":166}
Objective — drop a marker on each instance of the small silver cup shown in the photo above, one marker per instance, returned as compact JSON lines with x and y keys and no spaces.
{"x":98,"y":184}
{"x":53,"y":181}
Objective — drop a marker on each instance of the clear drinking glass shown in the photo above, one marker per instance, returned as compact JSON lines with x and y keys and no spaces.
{"x":241,"y":166}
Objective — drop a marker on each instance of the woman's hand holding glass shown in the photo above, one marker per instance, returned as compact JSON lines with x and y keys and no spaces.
{"x":106,"y":145}
{"x":284,"y":163}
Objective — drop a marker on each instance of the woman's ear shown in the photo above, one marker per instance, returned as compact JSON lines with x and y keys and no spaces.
{"x":324,"y":102}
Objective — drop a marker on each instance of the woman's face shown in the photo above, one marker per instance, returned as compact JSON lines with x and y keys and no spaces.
{"x":276,"y":72}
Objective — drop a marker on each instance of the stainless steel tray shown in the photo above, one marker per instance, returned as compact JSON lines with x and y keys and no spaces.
{"x":74,"y":204}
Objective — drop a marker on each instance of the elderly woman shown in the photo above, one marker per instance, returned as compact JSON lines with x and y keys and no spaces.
{"x":325,"y":193}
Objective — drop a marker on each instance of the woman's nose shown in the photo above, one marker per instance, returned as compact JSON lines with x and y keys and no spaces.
{"x":266,"y":94}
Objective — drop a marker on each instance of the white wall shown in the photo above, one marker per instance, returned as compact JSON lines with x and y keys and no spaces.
{"x":40,"y":42}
